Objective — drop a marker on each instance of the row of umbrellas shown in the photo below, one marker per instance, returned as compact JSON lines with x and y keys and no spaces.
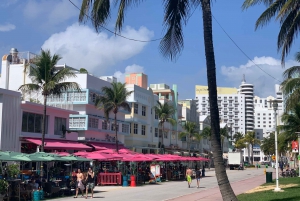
{"x":130,"y":156}
{"x":38,"y":157}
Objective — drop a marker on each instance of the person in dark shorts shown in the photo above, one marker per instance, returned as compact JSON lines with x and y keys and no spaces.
{"x":90,"y":184}
{"x":198,"y":175}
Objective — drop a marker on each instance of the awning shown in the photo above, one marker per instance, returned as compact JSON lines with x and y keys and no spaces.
{"x":101,"y":146}
{"x":59,"y":144}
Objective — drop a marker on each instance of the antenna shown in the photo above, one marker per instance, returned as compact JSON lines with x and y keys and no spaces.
{"x":244,"y":79}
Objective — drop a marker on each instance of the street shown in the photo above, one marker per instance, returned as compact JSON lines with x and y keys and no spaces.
{"x":169,"y":190}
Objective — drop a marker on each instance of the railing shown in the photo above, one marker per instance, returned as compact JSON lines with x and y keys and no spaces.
{"x":109,"y":179}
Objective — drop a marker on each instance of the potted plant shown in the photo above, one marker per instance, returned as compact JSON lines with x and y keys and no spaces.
{"x":13,"y":170}
{"x":3,"y":188}
{"x":132,"y":176}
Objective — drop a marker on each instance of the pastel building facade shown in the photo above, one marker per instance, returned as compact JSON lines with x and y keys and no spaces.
{"x":139,"y":79}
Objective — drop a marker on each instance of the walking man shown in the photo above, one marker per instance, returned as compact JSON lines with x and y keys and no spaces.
{"x":188,"y":175}
{"x":198,"y":175}
{"x":79,"y":184}
{"x":90,"y":182}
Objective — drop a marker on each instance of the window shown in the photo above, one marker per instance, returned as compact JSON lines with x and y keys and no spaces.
{"x":59,"y":125}
{"x":112,"y":127}
{"x":93,"y":123}
{"x":258,"y":126}
{"x":143,"y":110}
{"x":143,"y":130}
{"x":258,"y":113}
{"x":160,"y":132}
{"x":156,"y":115}
{"x":135,"y":128}
{"x":269,"y":122}
{"x":130,"y":128}
{"x":255,"y":101}
{"x":258,"y":122}
{"x":264,"y":114}
{"x":104,"y":125}
{"x":166,"y":134}
{"x":260,"y":101}
{"x":33,"y":123}
{"x":136,"y":108}
{"x":156,"y":132}
{"x":258,"y":117}
{"x":125,"y":128}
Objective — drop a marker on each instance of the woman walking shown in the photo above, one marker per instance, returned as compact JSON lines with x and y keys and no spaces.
{"x":90,"y":184}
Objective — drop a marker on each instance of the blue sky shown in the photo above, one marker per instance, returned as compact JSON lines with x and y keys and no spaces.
{"x":29,"y":25}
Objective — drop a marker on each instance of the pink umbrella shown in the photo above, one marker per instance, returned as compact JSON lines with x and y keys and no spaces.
{"x":137,"y":159}
{"x":81,"y":153}
{"x":126,"y":151}
{"x":107,"y":151}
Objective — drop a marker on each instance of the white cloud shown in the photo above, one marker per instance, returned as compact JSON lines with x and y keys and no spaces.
{"x":81,"y":47}
{"x":263,"y":83}
{"x":7,"y":27}
{"x":129,"y":69}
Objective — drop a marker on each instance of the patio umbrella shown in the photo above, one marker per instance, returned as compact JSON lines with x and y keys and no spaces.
{"x":61,"y":153}
{"x":81,"y":153}
{"x":107,"y":151}
{"x":75,"y":158}
{"x":136,"y":159}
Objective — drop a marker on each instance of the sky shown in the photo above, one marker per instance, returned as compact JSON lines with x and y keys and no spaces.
{"x":30,"y":25}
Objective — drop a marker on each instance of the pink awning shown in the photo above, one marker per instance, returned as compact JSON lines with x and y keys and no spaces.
{"x":103,"y":146}
{"x":59,"y":144}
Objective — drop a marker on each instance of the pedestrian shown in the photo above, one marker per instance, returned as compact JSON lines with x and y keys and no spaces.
{"x":198,"y":175}
{"x":79,"y":183}
{"x":188,"y":175}
{"x":90,"y":184}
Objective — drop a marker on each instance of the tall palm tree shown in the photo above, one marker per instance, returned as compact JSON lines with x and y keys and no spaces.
{"x":49,"y":81}
{"x":251,"y":139}
{"x":238,"y":140}
{"x":206,"y":133}
{"x":291,"y":87}
{"x":190,"y":132}
{"x":287,"y":13}
{"x":113,"y":98}
{"x":176,"y":14}
{"x":165,"y":113}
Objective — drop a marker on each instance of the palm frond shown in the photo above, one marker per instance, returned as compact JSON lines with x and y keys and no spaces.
{"x":292,"y":72}
{"x":176,"y":14}
{"x":27,"y":88}
{"x":297,"y":56}
{"x":249,"y":3}
{"x":64,"y":87}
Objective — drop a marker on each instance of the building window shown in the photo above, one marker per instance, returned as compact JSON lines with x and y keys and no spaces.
{"x":156,"y":115}
{"x":125,"y":128}
{"x":112,"y":127}
{"x":59,"y":125}
{"x":33,"y":123}
{"x":93,"y":123}
{"x":160,"y":133}
{"x":145,"y":151}
{"x":258,"y":113}
{"x":264,"y":114}
{"x":156,"y":132}
{"x":136,"y":108}
{"x":258,"y":122}
{"x":166,"y":134}
{"x":135,"y":128}
{"x":258,"y":126}
{"x":143,"y":110}
{"x":143,"y":130}
{"x":130,"y":128}
{"x":104,"y":125}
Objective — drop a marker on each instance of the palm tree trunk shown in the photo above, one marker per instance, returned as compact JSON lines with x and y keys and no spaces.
{"x":116,"y":131}
{"x":44,"y":123}
{"x":224,"y":185}
{"x":252,"y":154}
{"x":189,"y":144}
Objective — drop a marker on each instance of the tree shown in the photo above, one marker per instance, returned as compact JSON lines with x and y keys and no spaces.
{"x":291,"y":86}
{"x":176,"y":14}
{"x":238,"y":141}
{"x":113,"y":98}
{"x":49,"y":81}
{"x":190,"y":133}
{"x":165,"y":113}
{"x":224,"y":134}
{"x":83,"y":70}
{"x":268,"y":144}
{"x":206,"y":133}
{"x":251,"y":140}
{"x":287,"y":13}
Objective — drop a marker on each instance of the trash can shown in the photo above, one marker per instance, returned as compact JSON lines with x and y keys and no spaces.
{"x":269,"y":178}
{"x":267,"y":166}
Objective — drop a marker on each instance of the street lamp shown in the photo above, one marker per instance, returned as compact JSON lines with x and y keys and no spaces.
{"x":275,"y":107}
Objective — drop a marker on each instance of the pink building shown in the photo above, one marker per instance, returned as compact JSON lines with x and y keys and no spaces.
{"x":138,"y":79}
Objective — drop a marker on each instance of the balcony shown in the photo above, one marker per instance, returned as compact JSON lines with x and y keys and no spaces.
{"x":79,"y":122}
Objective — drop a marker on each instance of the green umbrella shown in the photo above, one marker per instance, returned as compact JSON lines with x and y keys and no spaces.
{"x":75,"y":158}
{"x":20,"y":157}
{"x":41,"y":157}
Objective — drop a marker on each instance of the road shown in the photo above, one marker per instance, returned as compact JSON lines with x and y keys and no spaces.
{"x":172,"y":190}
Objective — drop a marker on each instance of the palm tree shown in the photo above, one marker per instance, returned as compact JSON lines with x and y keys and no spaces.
{"x":251,"y":140}
{"x":176,"y":14}
{"x":206,"y":133}
{"x":224,"y":134}
{"x":238,"y":140}
{"x":287,"y":13}
{"x":49,"y":81}
{"x":291,"y":87}
{"x":83,"y":71}
{"x":165,"y":113}
{"x":190,"y":133}
{"x":113,"y":98}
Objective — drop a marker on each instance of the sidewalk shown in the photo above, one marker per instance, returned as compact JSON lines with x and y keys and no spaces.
{"x":213,"y":194}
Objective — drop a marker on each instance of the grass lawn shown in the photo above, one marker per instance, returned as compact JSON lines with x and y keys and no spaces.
{"x":290,"y":193}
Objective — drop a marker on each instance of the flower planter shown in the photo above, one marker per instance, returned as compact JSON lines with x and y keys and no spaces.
{"x":125,"y":180}
{"x":132,"y":181}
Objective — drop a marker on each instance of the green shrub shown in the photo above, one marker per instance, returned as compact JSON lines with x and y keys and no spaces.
{"x":3,"y":186}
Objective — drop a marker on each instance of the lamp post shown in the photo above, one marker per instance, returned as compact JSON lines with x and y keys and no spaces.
{"x":275,"y":107}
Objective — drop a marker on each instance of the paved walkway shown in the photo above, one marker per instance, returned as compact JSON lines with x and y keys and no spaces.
{"x":241,"y":181}
{"x":213,"y":194}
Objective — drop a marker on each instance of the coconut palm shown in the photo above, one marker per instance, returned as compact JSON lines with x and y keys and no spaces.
{"x":176,"y":14}
{"x":287,"y":13}
{"x":291,"y":87}
{"x":113,"y":99}
{"x":251,"y":139}
{"x":206,"y":133}
{"x":190,"y":133}
{"x":165,"y":113}
{"x":48,"y":80}
{"x":238,"y":140}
